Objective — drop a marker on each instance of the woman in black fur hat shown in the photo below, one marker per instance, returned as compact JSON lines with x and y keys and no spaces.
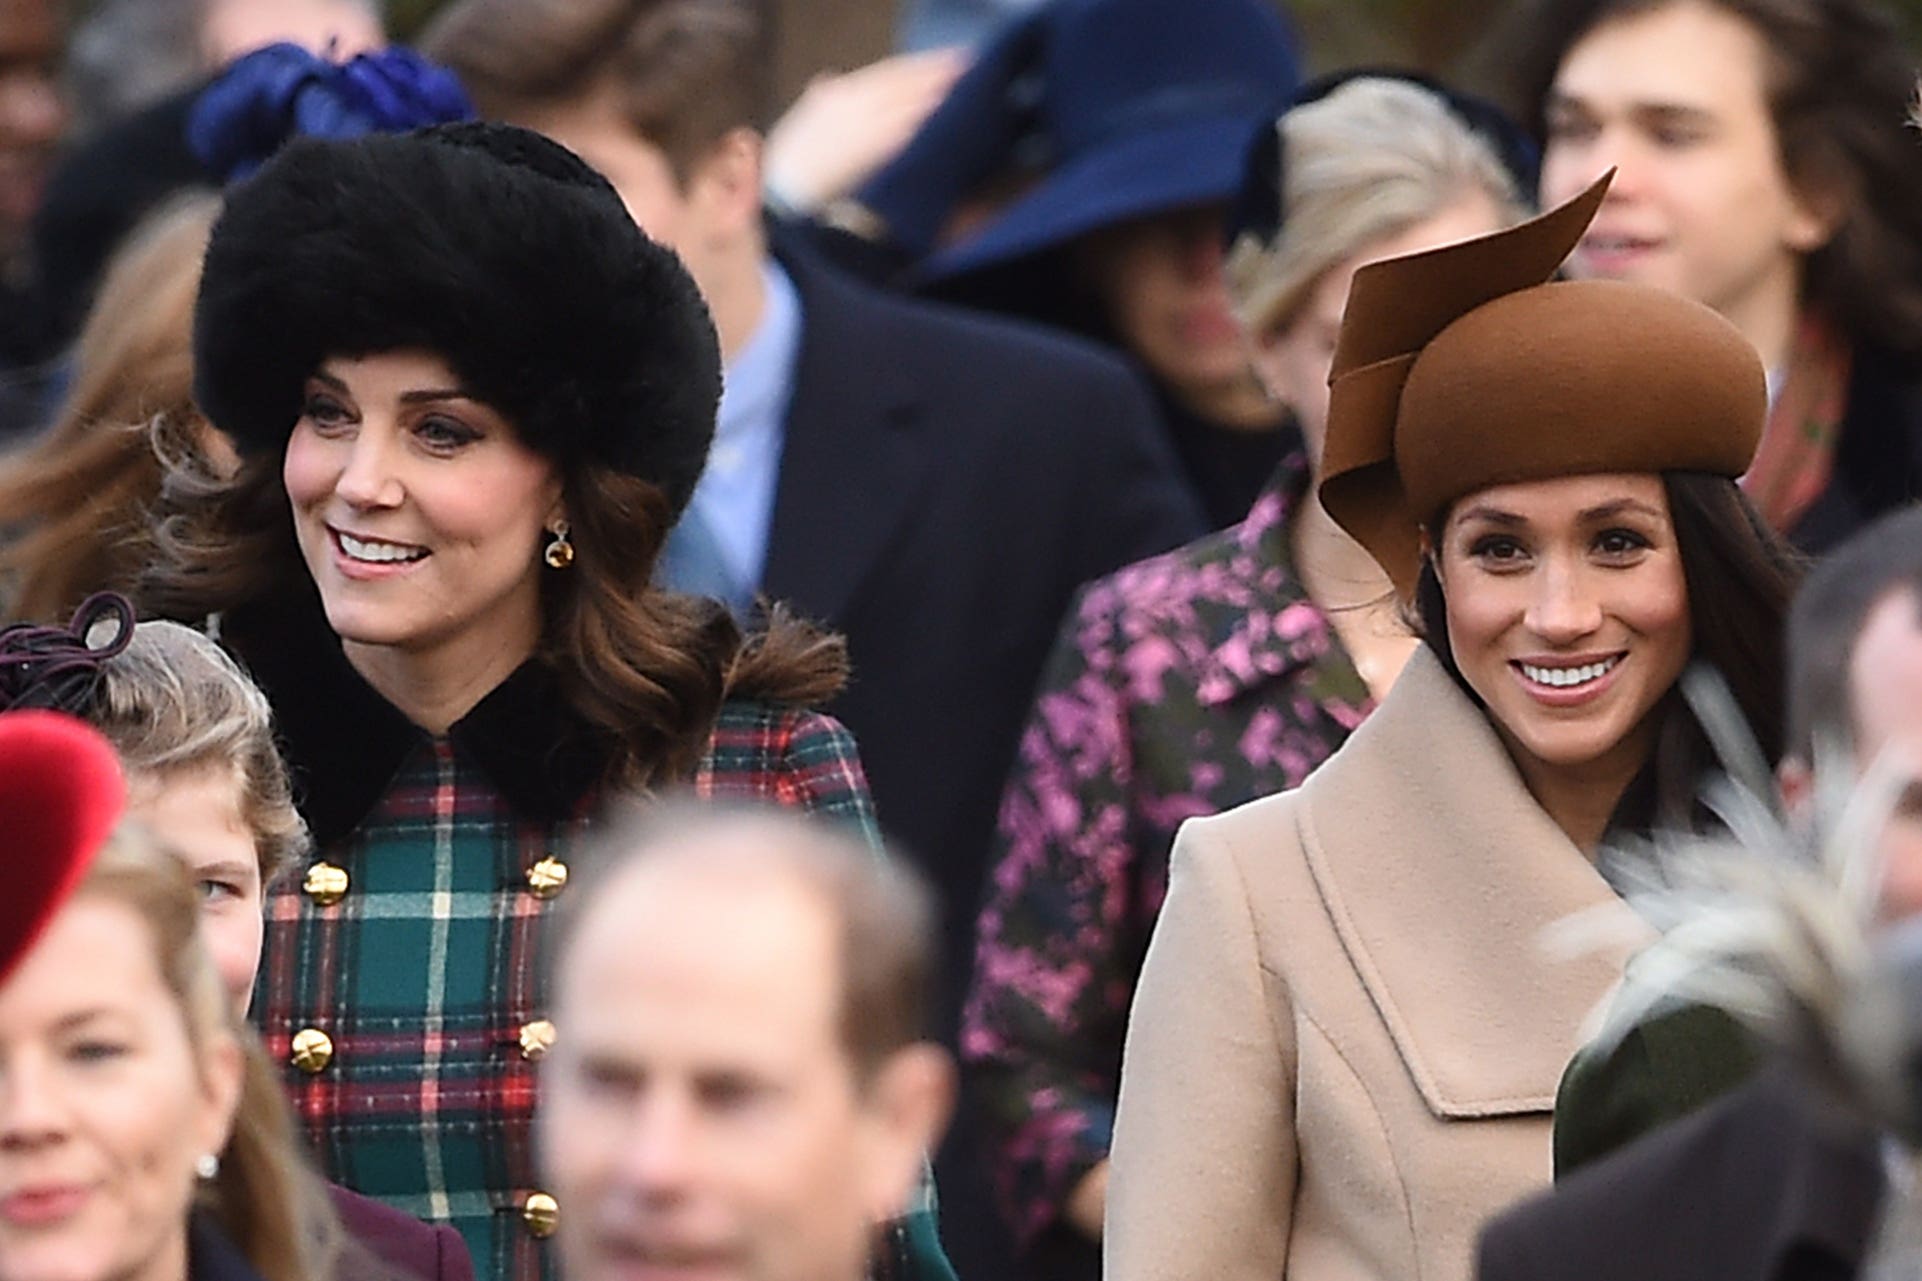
{"x":471,"y":398}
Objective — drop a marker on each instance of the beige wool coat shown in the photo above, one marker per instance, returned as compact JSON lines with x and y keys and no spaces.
{"x":1344,"y":1049}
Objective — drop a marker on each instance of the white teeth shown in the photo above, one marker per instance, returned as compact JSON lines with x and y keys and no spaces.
{"x":361,"y":549}
{"x":1563,"y":677}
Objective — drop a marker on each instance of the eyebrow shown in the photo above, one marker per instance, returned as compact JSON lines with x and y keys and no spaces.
{"x":225,"y":867}
{"x":423,"y":395}
{"x":1588,"y":515}
{"x":80,"y":1018}
{"x":1562,"y":100}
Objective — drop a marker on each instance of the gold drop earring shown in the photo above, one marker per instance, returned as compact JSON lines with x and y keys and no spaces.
{"x":560,"y":552}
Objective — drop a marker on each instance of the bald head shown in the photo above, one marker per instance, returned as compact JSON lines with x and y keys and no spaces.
{"x":721,"y":866}
{"x":739,"y":1081}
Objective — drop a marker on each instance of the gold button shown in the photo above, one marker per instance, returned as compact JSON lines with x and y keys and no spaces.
{"x":325,"y":884}
{"x":537,"y":1038}
{"x":313,"y":1050}
{"x":542,"y":1214}
{"x":547,"y":877}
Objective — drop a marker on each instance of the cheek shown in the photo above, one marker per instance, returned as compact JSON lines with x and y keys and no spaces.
{"x":306,"y":472}
{"x":1478,"y":610}
{"x":1660,"y":612}
{"x":232,"y":933}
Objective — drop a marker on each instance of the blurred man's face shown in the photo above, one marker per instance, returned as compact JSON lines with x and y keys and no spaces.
{"x":1885,"y":689}
{"x":699,"y":1115}
{"x":1675,"y":100}
{"x":31,"y":113}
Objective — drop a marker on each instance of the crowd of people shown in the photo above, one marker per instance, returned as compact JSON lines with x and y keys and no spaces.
{"x":1012,"y":675}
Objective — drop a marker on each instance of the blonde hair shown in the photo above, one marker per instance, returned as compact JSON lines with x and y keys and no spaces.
{"x":76,"y":499}
{"x":1369,"y":161}
{"x":173,"y":702}
{"x":266,"y":1197}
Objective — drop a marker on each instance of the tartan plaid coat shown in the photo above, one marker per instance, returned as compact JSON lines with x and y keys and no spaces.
{"x":424,"y":975}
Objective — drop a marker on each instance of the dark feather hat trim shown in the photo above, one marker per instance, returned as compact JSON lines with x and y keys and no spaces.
{"x":494,"y":248}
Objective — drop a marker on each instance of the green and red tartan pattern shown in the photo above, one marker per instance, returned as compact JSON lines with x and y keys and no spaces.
{"x":425,"y":972}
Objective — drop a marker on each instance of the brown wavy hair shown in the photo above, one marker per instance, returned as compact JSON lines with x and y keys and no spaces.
{"x":648,"y":668}
{"x":75,"y":502}
{"x":266,"y":1197}
{"x":1841,"y":80}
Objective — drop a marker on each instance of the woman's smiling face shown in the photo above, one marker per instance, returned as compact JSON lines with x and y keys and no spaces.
{"x":1568,"y":614}
{"x":418,"y":510}
{"x":106,"y":1104}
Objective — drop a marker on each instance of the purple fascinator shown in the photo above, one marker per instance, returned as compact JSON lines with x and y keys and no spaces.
{"x":283,"y":92}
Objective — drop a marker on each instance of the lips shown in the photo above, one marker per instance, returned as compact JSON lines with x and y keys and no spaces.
{"x":1604,"y":253}
{"x":376,"y":551}
{"x":1566,"y":677}
{"x":1567,"y":682}
{"x":40,"y":1206}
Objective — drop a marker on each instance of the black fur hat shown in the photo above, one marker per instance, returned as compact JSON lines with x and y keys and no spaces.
{"x":499,"y":251}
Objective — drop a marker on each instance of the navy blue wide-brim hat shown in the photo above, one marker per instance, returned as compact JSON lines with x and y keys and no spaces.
{"x":1142,"y":107}
{"x":492,"y":247}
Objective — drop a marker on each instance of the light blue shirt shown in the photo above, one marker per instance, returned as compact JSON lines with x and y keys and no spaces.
{"x":719,"y":547}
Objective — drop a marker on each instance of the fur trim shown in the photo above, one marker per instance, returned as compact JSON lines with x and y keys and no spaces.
{"x":494,"y":248}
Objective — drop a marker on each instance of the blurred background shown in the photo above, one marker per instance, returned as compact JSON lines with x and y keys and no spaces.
{"x":1434,"y":35}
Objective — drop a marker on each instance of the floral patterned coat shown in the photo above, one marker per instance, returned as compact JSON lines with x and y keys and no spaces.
{"x":1180,"y":686}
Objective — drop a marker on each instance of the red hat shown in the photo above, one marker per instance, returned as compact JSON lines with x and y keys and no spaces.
{"x":61,"y":793}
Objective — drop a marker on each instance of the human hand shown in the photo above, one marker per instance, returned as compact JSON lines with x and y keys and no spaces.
{"x":844,"y":127}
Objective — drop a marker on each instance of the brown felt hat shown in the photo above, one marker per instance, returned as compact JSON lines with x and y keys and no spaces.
{"x":1467,"y":366}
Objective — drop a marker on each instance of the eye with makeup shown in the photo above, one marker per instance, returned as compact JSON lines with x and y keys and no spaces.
{"x":443,"y":434}
{"x":92,"y":1050}
{"x":1620,"y":545}
{"x":325,"y":411}
{"x":1497,"y":552}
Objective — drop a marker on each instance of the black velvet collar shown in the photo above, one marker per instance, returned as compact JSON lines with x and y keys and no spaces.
{"x":344,"y":741}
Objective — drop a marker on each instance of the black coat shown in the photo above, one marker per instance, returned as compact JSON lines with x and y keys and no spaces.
{"x":211,"y":1256}
{"x":1765,"y":1185}
{"x":946,"y":482}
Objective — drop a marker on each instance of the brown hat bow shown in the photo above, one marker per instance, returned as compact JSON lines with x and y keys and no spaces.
{"x":1465,"y":367}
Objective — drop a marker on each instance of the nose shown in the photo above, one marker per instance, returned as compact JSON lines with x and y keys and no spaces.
{"x":1564,"y":606}
{"x":368,"y":476}
{"x":31,"y":1110}
{"x":662,"y":1148}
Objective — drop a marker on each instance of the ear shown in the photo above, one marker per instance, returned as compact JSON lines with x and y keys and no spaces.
{"x":907,"y":1107}
{"x":1796,"y":782}
{"x":725,"y":188}
{"x":1816,"y":214}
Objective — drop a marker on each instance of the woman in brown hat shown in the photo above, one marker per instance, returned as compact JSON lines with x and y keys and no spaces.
{"x":1346,"y":1041}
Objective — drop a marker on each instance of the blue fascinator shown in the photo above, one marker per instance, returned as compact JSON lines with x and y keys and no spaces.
{"x":284,"y":91}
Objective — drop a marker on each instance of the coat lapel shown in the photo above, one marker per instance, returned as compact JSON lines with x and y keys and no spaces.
{"x":854,"y":457}
{"x":1447,"y":929}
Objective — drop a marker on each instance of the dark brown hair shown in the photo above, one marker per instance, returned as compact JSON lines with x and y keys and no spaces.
{"x":75,"y":501}
{"x":685,"y":72}
{"x":646,"y":667}
{"x":1840,"y":81}
{"x":1740,"y":577}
